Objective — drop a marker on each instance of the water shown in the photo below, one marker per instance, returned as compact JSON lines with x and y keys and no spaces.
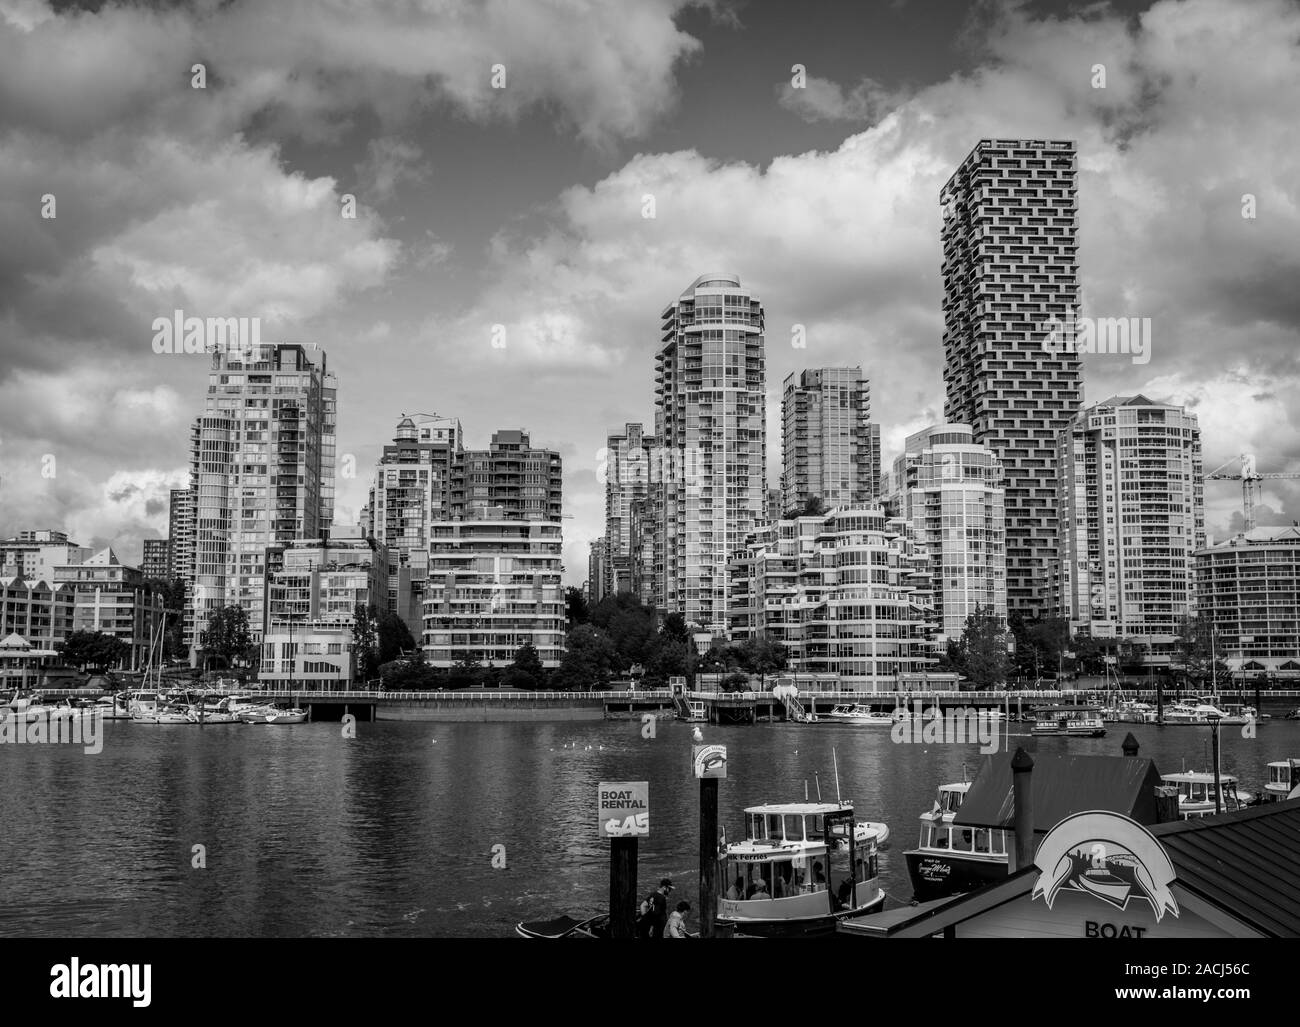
{"x":308,"y":834}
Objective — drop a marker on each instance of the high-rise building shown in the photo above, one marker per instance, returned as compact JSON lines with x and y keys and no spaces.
{"x":837,"y":591}
{"x":775,"y":506}
{"x":262,"y":472}
{"x":631,"y":470}
{"x":313,"y":587}
{"x":520,"y":482}
{"x":156,"y":562}
{"x":494,"y":585}
{"x":710,"y":420}
{"x":412,"y":489}
{"x":1249,"y":586}
{"x":597,"y":559}
{"x":829,"y":449}
{"x":180,"y":550}
{"x":1010,"y":264}
{"x":644,"y":532}
{"x":1131,"y":507}
{"x":948,"y":489}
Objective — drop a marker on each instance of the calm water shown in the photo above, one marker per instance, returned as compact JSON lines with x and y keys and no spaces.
{"x":392,"y":833}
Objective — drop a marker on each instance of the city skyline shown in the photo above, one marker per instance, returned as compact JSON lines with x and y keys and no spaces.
{"x":845,"y":172}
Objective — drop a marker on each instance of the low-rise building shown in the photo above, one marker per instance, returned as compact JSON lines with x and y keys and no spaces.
{"x":114,"y":598}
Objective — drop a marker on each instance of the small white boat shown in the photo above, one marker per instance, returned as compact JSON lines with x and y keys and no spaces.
{"x":1196,"y":794}
{"x":1204,"y":711}
{"x":1283,"y":777}
{"x":164,"y":715}
{"x":791,"y":878}
{"x":293,"y":716}
{"x":865,"y":716}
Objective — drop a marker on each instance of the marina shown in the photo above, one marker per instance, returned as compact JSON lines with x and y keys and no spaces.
{"x":322,"y":818}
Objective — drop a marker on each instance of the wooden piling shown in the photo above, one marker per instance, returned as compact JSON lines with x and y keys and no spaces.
{"x":708,"y":855}
{"x":1130,"y":745}
{"x":622,"y":887}
{"x":1166,"y":803}
{"x":1023,"y":818}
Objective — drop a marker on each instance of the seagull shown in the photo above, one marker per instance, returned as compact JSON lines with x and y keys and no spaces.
{"x":696,"y":736}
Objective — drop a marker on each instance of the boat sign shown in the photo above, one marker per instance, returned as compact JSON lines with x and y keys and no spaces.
{"x":623,"y":809}
{"x":710,"y":760}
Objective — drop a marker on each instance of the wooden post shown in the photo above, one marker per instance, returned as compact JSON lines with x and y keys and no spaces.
{"x":1259,"y":710}
{"x":1130,"y":745}
{"x":1023,"y":818}
{"x":1218,"y":787}
{"x":622,"y":887}
{"x":1166,"y":803}
{"x":1160,"y":702}
{"x":709,"y":855}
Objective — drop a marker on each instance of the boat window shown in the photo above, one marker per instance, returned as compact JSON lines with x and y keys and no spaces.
{"x":942,"y":838}
{"x":982,"y":840}
{"x":999,"y":842}
{"x":813,"y":827}
{"x":774,"y":827}
{"x":782,"y":879}
{"x":793,"y":827}
{"x":755,"y":826}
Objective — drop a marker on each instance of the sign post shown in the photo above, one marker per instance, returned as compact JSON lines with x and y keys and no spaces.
{"x":623,"y":816}
{"x":710,"y":765}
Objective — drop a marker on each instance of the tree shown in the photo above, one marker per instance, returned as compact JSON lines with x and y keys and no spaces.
{"x":589,"y":658}
{"x":527,"y":664}
{"x":365,"y":641}
{"x":575,"y":606}
{"x":1050,"y":638}
{"x":1197,"y":652}
{"x":227,"y":636}
{"x":759,"y":656}
{"x":981,"y":652}
{"x":93,"y":650}
{"x":675,"y":628}
{"x":813,"y":506}
{"x":172,"y":592}
{"x":395,"y":637}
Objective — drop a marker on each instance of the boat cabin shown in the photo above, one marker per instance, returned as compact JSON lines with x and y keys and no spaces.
{"x":1196,"y":793}
{"x":1282,"y":778}
{"x":798,"y":862}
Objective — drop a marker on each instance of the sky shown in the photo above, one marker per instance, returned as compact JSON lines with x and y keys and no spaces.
{"x":523,"y":206}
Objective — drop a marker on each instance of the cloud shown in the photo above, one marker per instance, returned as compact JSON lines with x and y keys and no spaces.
{"x":820,"y":99}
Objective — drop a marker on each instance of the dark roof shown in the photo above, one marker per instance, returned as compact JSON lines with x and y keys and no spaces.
{"x":1244,"y":863}
{"x":1062,"y":786}
{"x":1247,"y":862}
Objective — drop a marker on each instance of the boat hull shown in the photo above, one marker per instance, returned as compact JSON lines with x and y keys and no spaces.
{"x":806,"y":927}
{"x":937,"y":875}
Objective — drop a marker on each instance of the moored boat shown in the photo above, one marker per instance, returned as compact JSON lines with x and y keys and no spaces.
{"x":791,"y":877}
{"x":947,"y":860}
{"x":1068,"y":721}
{"x":1283,"y":777}
{"x":1196,"y":794}
{"x":854,"y":713}
{"x":292,"y":716}
{"x":566,"y":927}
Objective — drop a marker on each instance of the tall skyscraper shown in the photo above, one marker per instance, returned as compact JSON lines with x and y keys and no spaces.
{"x":1132,"y":516}
{"x":709,"y":417}
{"x":829,"y":448}
{"x":948,"y":489}
{"x":1010,"y":264}
{"x":412,"y":489}
{"x":180,"y":551}
{"x":630,"y":469}
{"x":262,"y":471}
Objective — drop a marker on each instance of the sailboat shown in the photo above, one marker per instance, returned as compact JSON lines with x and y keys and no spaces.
{"x":145,"y":705}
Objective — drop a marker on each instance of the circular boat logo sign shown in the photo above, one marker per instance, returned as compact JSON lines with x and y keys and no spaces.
{"x":1108,"y":856}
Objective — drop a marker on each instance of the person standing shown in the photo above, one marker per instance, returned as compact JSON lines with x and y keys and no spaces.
{"x":677,"y":922}
{"x":659,"y":908}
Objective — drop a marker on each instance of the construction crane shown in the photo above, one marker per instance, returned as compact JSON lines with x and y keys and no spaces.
{"x":1250,"y":479}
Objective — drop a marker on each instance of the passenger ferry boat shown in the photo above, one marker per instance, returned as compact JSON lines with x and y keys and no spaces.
{"x":853,"y":713}
{"x":1196,"y":793}
{"x":801,"y":868}
{"x":1069,"y":721}
{"x":1282,"y":780}
{"x":951,"y":860}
